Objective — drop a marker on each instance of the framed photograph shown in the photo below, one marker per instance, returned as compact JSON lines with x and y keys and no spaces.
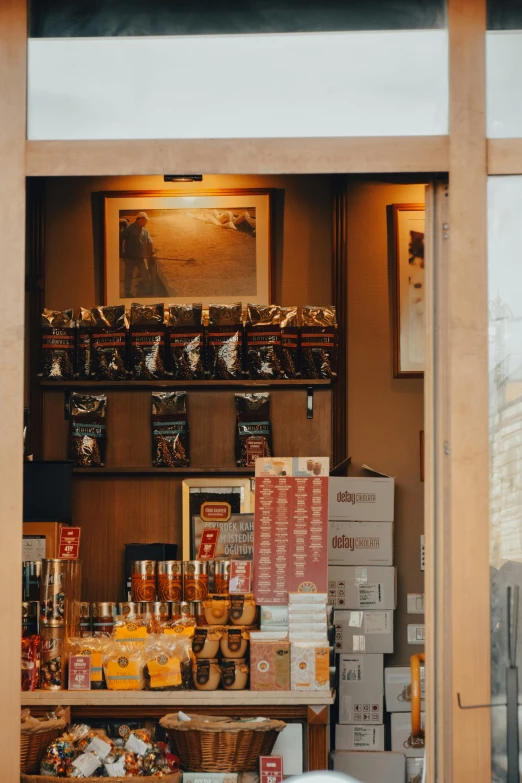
{"x":210,"y":247}
{"x":224,"y":503}
{"x":406,"y":224}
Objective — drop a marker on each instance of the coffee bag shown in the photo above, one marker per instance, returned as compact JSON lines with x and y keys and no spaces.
{"x":170,"y":432}
{"x":253,"y":428}
{"x":88,"y":429}
{"x":225,"y":342}
{"x":263,"y":339}
{"x":147,"y":341}
{"x":186,"y":341}
{"x":58,"y":332}
{"x":109,"y":343}
{"x":318,"y":342}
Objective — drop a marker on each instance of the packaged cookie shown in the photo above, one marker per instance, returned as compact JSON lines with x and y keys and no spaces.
{"x":186,"y":341}
{"x":170,"y":433}
{"x":88,"y":429}
{"x":318,"y":342}
{"x":109,"y":343}
{"x":147,"y":341}
{"x":225,"y":342}
{"x":58,"y":332}
{"x":253,"y":428}
{"x":263,"y":340}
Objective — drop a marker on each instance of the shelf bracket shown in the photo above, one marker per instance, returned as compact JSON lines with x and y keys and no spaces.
{"x":67,"y":404}
{"x":310,"y":402}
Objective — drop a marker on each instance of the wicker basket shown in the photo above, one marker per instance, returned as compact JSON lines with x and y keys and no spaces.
{"x":175,"y":777}
{"x":36,"y":735}
{"x":216,"y":744}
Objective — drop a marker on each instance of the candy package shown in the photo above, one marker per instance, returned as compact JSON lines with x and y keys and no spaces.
{"x":147,"y":341}
{"x":253,"y":428}
{"x":318,"y":342}
{"x":58,"y":332}
{"x":88,"y":429}
{"x":186,"y":342}
{"x":263,"y":339}
{"x":170,"y":433}
{"x":225,"y":342}
{"x":31,"y":658}
{"x":109,"y":343}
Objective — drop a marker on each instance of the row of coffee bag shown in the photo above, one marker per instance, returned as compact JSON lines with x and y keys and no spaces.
{"x":185,"y":342}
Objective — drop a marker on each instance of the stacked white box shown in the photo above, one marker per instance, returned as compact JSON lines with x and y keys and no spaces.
{"x":309,"y":648}
{"x":361,"y":689}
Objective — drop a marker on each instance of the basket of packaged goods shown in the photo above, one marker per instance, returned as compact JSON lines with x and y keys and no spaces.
{"x":36,"y":735}
{"x":89,"y":754}
{"x":207,"y":743}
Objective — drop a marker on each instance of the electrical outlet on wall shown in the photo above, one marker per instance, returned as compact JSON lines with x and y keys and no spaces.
{"x":415,"y":634}
{"x":415,"y":603}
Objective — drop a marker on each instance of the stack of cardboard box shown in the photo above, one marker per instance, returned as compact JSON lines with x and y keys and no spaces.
{"x":362,"y":588}
{"x":397,"y":685}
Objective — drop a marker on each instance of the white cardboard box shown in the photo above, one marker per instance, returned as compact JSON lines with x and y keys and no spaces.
{"x":369,"y":767}
{"x":414,"y":769}
{"x":361,"y":499}
{"x":359,"y":737}
{"x":363,"y":631}
{"x":362,"y":587}
{"x":361,"y":689}
{"x":360,"y":543}
{"x":289,"y":745}
{"x":397,"y":688}
{"x":401,"y":739}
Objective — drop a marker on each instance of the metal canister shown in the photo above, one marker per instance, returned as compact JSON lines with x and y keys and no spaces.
{"x":170,"y":580}
{"x":103,"y":614}
{"x":60,"y":592}
{"x":175,"y":610}
{"x":52,"y":668}
{"x":31,"y":575}
{"x":30,"y":615}
{"x":130,"y":609}
{"x":85,"y":618}
{"x":143,"y":584}
{"x":221,"y":577}
{"x":158,"y":609}
{"x":193,"y":609}
{"x":195,"y":580}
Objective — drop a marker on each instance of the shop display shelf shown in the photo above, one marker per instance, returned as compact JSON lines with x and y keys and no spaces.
{"x":169,"y":384}
{"x":161,"y":471}
{"x":177,"y":698}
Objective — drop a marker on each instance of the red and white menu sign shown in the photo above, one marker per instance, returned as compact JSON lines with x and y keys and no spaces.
{"x":291,"y":528}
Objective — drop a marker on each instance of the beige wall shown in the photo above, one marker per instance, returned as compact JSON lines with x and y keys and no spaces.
{"x":385,"y":416}
{"x":303,"y":244}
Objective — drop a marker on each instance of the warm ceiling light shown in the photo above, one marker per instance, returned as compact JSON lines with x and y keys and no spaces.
{"x":182,"y":177}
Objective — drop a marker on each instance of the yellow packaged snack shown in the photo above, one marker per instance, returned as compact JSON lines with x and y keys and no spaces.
{"x":95,"y":647}
{"x":123,"y":666}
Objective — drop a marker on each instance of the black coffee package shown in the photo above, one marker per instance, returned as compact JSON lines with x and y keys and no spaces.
{"x":289,"y":343}
{"x":58,"y":334}
{"x":225,"y":342}
{"x":147,"y":341}
{"x":109,"y":343}
{"x":186,"y":342}
{"x":170,"y":433}
{"x":253,"y":428}
{"x":318,"y":342}
{"x":263,"y":340}
{"x":88,"y":429}
{"x":85,"y":326}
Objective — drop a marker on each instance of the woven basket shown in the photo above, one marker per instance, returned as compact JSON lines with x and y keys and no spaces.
{"x":175,"y":777}
{"x":35,"y":737}
{"x":217,"y":744}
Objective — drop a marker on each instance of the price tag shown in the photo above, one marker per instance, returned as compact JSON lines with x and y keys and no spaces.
{"x":240,"y":577}
{"x":69,"y":545}
{"x":270,"y":769}
{"x":87,"y":763}
{"x":209,"y":539}
{"x":79,"y":672}
{"x":98,"y":746}
{"x":136,"y":745}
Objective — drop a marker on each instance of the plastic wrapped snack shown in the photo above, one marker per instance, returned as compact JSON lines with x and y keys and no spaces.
{"x":168,"y":662}
{"x":95,"y":647}
{"x":123,"y":666}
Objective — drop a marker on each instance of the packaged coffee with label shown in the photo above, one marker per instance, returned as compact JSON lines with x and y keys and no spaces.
{"x":225,"y":342}
{"x":186,"y":341}
{"x":170,"y":433}
{"x":147,"y":341}
{"x":263,"y":339}
{"x":58,"y":334}
{"x":86,"y":323}
{"x":318,"y":342}
{"x":88,"y":429}
{"x":289,"y":343}
{"x":253,"y":428}
{"x":109,"y":343}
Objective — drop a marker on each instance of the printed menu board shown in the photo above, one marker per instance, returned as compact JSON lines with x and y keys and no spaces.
{"x":291,"y":528}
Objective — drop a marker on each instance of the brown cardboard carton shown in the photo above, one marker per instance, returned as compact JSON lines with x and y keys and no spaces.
{"x":41,"y":540}
{"x":269,"y":665}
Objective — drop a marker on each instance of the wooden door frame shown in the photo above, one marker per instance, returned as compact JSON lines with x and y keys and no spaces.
{"x":460,"y":374}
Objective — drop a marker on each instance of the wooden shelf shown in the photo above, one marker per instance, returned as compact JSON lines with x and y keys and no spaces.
{"x":169,"y":384}
{"x":177,"y":698}
{"x":162,"y":471}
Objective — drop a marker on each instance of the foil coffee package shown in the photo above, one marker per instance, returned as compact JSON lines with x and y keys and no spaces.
{"x":225,"y":342}
{"x":58,"y":332}
{"x":263,"y":339}
{"x":253,"y":428}
{"x":147,"y":341}
{"x":170,"y":433}
{"x":88,"y":429}
{"x":318,"y":342}
{"x":186,"y":341}
{"x":109,"y":343}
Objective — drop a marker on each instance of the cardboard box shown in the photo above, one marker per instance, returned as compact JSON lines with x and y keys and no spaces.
{"x":401,"y":739}
{"x":397,"y":688}
{"x":414,"y":770}
{"x":363,"y":631}
{"x":370,"y":767}
{"x":40,"y":540}
{"x":361,"y":689}
{"x":290,"y":745}
{"x":309,"y":666}
{"x":361,"y":499}
{"x":359,"y":737}
{"x":269,"y":665}
{"x":362,"y":587}
{"x":360,"y":543}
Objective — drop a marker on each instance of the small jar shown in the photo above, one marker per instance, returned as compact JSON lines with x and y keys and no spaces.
{"x":207,"y":674}
{"x":234,"y":674}
{"x":243,"y":609}
{"x":217,"y":608}
{"x":234,"y":642}
{"x":143,"y":584}
{"x":221,"y":577}
{"x":205,"y":642}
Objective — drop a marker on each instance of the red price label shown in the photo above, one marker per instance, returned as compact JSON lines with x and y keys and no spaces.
{"x":79,"y":672}
{"x":69,"y":545}
{"x":271,"y":769}
{"x":209,"y":539}
{"x":240,"y":577}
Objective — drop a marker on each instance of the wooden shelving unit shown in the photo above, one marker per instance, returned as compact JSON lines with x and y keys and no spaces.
{"x":108,"y":471}
{"x":178,"y":698}
{"x":301,"y":383}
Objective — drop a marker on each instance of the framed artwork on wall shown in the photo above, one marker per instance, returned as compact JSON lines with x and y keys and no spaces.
{"x":212,"y":246}
{"x":406,"y":228}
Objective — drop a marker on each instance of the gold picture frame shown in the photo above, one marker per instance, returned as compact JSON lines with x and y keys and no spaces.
{"x":242,"y":486}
